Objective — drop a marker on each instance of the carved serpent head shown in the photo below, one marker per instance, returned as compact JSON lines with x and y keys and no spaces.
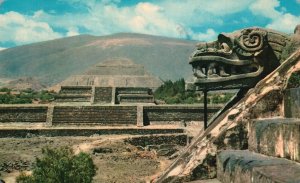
{"x":239,"y":59}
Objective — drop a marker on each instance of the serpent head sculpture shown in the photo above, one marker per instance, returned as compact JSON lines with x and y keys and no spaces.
{"x":239,"y":59}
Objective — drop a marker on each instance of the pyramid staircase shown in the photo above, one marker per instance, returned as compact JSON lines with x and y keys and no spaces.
{"x":256,"y":140}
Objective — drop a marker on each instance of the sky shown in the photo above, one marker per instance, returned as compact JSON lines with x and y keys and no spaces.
{"x":28,"y":21}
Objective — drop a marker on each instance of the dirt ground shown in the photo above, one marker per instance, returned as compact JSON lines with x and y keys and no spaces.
{"x":116,"y":161}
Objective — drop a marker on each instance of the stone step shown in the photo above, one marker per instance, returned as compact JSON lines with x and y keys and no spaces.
{"x":278,"y":137}
{"x":248,"y":167}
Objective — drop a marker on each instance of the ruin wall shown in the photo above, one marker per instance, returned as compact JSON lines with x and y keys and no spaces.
{"x":23,"y":113}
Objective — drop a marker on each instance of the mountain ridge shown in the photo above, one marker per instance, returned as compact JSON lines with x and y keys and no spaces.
{"x":53,"y":61}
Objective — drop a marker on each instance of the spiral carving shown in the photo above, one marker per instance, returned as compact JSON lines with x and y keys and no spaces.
{"x":251,"y":40}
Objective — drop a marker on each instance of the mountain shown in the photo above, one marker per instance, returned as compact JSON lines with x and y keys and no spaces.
{"x":53,"y":61}
{"x":25,"y":83}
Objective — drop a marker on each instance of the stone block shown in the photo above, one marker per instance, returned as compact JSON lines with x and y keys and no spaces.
{"x":276,"y":137}
{"x":292,"y":103}
{"x":248,"y":167}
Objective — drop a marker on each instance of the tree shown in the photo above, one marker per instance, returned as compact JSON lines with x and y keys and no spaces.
{"x":61,"y":166}
{"x":174,"y":93}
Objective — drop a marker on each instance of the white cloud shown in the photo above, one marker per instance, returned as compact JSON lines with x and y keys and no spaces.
{"x":157,"y":19}
{"x":72,"y":31}
{"x":266,"y":8}
{"x":166,"y":18}
{"x":286,"y":23}
{"x":210,"y":34}
{"x":280,"y":20}
{"x":22,"y":29}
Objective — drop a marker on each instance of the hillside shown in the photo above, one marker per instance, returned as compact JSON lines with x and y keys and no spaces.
{"x":53,"y":61}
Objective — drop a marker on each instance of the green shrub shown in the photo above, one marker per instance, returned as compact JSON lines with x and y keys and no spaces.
{"x":174,"y":93}
{"x":25,"y":96}
{"x":61,"y":166}
{"x":5,"y":90}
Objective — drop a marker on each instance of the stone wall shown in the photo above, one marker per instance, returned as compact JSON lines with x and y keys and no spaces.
{"x":103,"y":95}
{"x":102,"y":115}
{"x":170,"y":113}
{"x":94,"y":115}
{"x":279,"y":137}
{"x":75,"y":90}
{"x":29,"y":114}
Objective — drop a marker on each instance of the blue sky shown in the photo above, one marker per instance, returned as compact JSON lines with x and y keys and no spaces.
{"x":28,"y":21}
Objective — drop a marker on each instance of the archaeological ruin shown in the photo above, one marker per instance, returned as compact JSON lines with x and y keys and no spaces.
{"x":254,"y":138}
{"x":114,"y":93}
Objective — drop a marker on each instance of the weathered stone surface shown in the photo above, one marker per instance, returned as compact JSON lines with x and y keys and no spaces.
{"x":249,"y":167}
{"x":292,"y":103}
{"x":268,"y":106}
{"x":171,"y":113}
{"x":23,"y":113}
{"x":76,"y":89}
{"x":103,"y":95}
{"x":276,"y":137}
{"x":240,"y":59}
{"x":100,"y":115}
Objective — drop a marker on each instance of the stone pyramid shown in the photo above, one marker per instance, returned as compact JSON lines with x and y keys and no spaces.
{"x":117,"y":72}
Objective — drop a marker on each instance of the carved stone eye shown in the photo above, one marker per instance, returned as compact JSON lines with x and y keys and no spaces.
{"x":225,"y":47}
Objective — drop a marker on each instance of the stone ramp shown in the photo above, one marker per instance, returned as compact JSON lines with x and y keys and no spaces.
{"x":247,"y":167}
